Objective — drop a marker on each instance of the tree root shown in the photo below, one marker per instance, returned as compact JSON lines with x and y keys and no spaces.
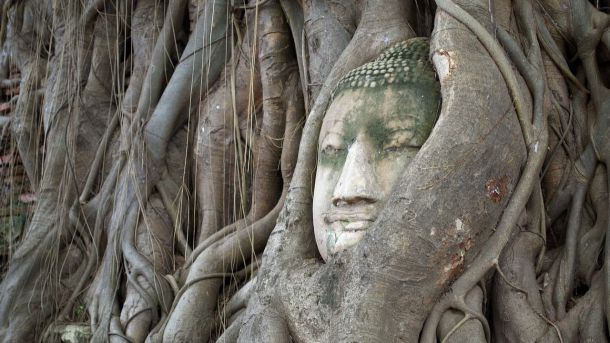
{"x":532,"y":71}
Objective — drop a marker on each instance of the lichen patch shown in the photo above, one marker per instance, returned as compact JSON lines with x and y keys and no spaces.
{"x":459,"y":225}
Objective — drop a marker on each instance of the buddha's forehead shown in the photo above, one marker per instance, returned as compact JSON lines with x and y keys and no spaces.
{"x":390,"y":107}
{"x":396,"y":90}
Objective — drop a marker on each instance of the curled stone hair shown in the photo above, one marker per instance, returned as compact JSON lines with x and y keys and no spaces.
{"x":405,"y":63}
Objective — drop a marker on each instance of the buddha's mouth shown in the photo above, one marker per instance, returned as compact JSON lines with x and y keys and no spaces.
{"x":350,"y":220}
{"x":357,"y":225}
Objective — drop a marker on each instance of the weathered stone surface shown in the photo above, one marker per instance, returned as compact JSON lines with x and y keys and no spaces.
{"x":380,"y":115}
{"x":73,"y":333}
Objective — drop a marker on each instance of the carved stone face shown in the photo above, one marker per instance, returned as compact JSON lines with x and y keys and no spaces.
{"x":368,"y":137}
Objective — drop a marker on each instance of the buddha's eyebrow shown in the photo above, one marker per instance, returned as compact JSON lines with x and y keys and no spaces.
{"x":392,"y":130}
{"x":395,"y":124}
{"x":334,"y":132}
{"x":326,"y":136}
{"x":400,"y":116}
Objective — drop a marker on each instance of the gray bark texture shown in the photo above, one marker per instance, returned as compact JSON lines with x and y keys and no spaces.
{"x":169,"y":149}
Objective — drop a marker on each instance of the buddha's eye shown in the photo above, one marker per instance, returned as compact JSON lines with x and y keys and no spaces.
{"x":398,"y":141}
{"x":332,"y":150}
{"x":392,"y":147}
{"x":399,"y":146}
{"x":395,"y":147}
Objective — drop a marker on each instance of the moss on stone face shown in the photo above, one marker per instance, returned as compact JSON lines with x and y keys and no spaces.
{"x":402,"y":83}
{"x":378,"y":119}
{"x":395,"y":118}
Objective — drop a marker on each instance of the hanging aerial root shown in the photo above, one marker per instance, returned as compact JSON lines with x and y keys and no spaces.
{"x":100,"y":154}
{"x":37,"y":258}
{"x":133,"y":191}
{"x":94,"y":254}
{"x":216,"y":143}
{"x":280,"y":132}
{"x":550,"y":47}
{"x":154,"y":240}
{"x":200,"y":65}
{"x":155,"y":288}
{"x":4,"y":19}
{"x":221,"y":256}
{"x":591,"y":242}
{"x":168,"y":115}
{"x":174,"y":199}
{"x":589,"y":26}
{"x":565,"y":279}
{"x":294,"y":15}
{"x":164,"y":51}
{"x":25,"y":118}
{"x":147,"y":25}
{"x":276,"y":58}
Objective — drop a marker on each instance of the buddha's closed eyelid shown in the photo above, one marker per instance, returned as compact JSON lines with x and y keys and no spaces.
{"x":332,"y":149}
{"x":333,"y":139}
{"x":399,"y":139}
{"x":396,"y":146}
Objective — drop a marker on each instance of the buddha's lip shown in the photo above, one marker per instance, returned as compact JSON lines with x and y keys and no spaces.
{"x":348,"y":216}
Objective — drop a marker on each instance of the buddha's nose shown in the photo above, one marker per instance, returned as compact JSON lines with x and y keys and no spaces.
{"x":358,"y":182}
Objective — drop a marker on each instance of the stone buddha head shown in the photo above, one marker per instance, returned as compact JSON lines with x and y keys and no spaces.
{"x":379,"y":116}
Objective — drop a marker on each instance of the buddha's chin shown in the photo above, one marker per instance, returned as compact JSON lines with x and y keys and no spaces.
{"x":346,"y":239}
